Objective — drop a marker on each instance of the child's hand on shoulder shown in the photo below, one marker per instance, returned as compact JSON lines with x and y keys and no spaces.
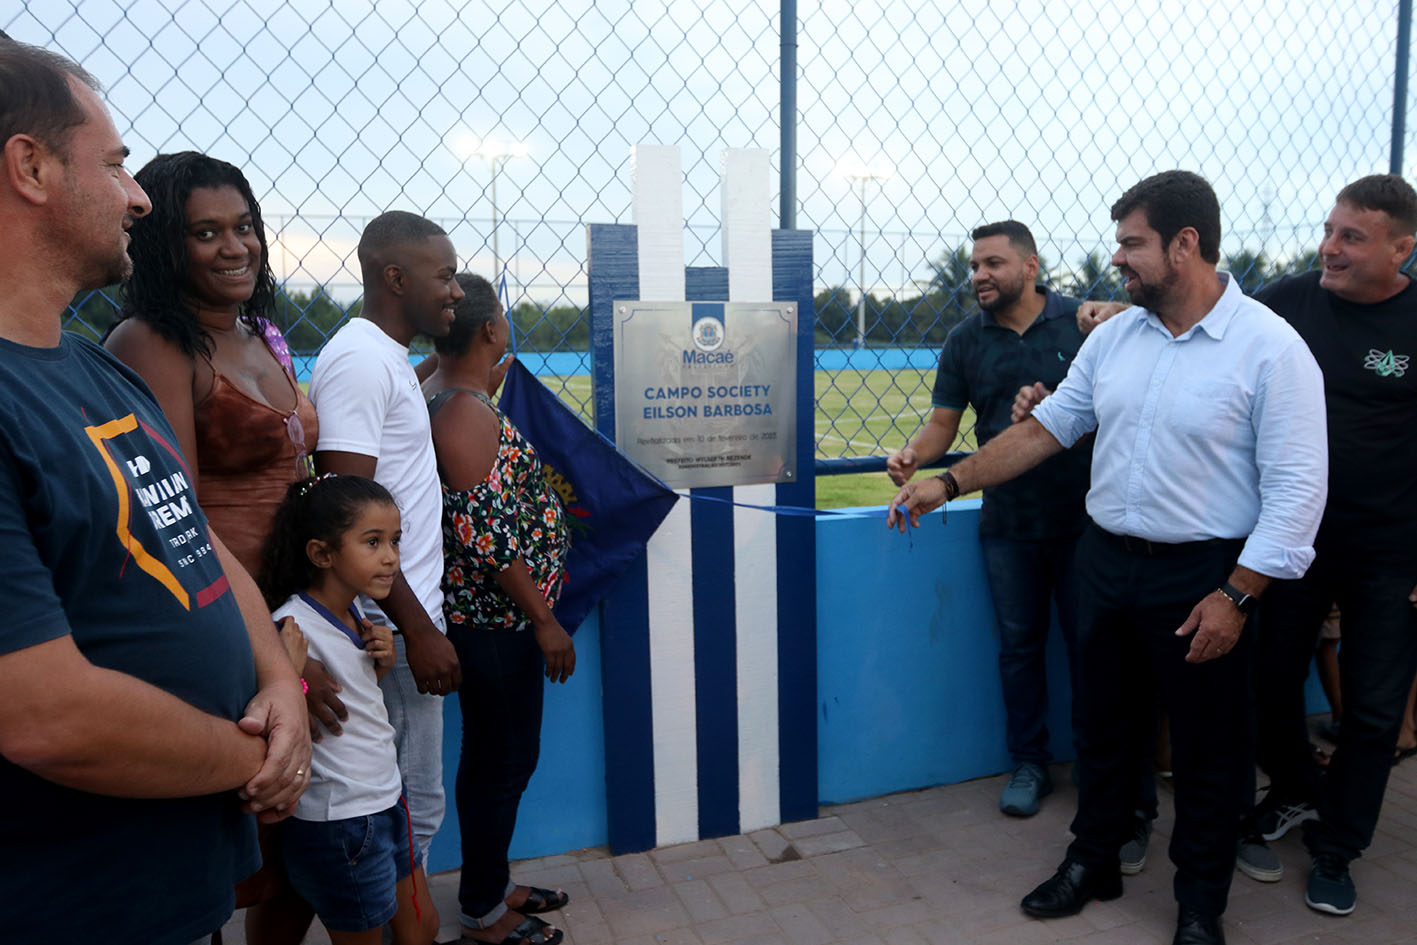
{"x":378,"y":643}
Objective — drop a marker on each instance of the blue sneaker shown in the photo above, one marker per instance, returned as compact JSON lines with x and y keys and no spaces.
{"x":1331,"y":886}
{"x":1027,"y":785}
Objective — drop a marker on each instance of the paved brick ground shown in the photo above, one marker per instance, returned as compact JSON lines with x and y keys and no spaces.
{"x":937,"y":867}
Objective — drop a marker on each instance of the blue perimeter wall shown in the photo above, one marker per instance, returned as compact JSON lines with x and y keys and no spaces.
{"x":907,"y":680}
{"x":570,"y":363}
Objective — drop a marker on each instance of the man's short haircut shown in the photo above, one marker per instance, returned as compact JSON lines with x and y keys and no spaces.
{"x":1019,"y":236}
{"x":1172,"y":201}
{"x":477,"y":307}
{"x":394,"y":228}
{"x":36,"y":97}
{"x":1388,"y":193}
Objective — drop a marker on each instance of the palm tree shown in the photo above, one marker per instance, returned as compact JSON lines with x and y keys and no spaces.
{"x":1094,"y":279}
{"x":1251,"y":268}
{"x":950,"y":274}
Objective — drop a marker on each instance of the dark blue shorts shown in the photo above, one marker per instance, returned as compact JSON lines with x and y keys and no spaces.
{"x":347,"y":869}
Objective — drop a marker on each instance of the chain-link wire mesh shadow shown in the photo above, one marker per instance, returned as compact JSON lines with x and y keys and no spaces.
{"x":511,"y":124}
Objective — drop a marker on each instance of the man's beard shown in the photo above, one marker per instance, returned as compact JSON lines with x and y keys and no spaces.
{"x":1004,"y":296}
{"x":106,"y":269}
{"x":1152,"y":296}
{"x":95,"y":249}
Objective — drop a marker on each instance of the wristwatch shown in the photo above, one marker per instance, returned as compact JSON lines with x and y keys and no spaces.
{"x":1243,"y":602}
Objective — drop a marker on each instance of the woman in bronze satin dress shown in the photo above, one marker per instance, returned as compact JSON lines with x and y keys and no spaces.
{"x":196,"y":327}
{"x":195,"y":324}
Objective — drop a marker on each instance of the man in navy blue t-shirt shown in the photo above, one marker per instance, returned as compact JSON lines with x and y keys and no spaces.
{"x":1023,"y":335}
{"x":147,"y":699}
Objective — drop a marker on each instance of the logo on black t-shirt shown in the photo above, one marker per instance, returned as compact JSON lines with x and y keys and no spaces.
{"x":1385,"y":363}
{"x":159,"y":493}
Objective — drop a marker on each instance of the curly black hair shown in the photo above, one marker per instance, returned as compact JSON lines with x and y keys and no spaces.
{"x":153,"y":292}
{"x":321,"y":507}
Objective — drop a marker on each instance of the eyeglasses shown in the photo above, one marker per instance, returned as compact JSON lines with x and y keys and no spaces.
{"x":296,"y":431}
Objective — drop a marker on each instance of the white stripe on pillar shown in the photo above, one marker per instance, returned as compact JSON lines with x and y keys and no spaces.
{"x":747,"y":252}
{"x":659,"y":219}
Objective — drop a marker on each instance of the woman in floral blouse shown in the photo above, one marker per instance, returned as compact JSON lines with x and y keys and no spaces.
{"x":504,"y":547}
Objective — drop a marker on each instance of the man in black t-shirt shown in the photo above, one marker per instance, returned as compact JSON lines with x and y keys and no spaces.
{"x":1358,"y":315}
{"x":1024,"y":334}
{"x":146,"y":697}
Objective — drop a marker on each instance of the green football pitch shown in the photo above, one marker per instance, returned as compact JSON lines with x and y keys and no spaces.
{"x":859,"y":413}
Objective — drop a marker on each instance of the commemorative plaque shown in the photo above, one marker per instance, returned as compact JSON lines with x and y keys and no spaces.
{"x":706,"y":392}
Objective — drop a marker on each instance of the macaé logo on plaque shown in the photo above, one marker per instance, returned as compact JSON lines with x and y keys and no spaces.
{"x":706,"y":392}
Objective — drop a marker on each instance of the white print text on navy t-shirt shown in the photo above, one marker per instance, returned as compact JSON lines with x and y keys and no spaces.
{"x":168,"y":502}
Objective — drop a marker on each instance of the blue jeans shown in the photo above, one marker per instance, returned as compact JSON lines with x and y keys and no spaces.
{"x":501,"y":699}
{"x":1025,"y":577}
{"x":417,"y":719}
{"x":348,"y":869}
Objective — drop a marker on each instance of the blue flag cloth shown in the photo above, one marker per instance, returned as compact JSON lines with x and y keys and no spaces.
{"x":612,"y":506}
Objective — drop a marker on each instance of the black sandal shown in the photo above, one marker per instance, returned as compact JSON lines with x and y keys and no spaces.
{"x":532,"y":931}
{"x":540,"y":900}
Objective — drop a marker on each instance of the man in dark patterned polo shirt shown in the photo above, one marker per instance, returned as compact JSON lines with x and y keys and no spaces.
{"x":1023,"y":334}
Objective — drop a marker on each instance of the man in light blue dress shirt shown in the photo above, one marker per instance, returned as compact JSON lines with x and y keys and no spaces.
{"x":1209,"y":477}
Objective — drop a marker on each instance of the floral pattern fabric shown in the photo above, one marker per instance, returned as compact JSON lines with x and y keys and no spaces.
{"x":512,"y":514}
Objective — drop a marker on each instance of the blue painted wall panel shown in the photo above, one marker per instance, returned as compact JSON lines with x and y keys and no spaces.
{"x":797,"y":641}
{"x":908,"y":691}
{"x":908,"y":683}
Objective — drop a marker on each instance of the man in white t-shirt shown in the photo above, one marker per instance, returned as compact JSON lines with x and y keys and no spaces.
{"x":374,"y":423}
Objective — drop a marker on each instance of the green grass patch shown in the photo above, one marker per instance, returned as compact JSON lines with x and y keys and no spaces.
{"x":854,"y":490}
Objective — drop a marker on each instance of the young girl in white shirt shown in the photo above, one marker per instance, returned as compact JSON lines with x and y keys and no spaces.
{"x":348,"y":848}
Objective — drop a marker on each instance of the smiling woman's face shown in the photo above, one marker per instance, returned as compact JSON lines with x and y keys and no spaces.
{"x":223,"y":250}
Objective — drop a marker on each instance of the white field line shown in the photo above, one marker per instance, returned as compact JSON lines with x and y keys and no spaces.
{"x":872,"y":445}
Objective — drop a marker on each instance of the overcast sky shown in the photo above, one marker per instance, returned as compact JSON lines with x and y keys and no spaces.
{"x":978,"y":111}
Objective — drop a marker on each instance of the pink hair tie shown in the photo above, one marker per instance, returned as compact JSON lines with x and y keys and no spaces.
{"x":304,"y":686}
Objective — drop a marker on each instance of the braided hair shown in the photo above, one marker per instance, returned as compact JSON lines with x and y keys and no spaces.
{"x":322,"y":508}
{"x":153,"y":293}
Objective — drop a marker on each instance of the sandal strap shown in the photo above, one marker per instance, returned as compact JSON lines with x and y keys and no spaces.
{"x":533,"y":931}
{"x":543,"y":900}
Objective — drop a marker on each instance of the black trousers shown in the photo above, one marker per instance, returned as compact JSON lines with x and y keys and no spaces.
{"x":1377,"y":660}
{"x":1130,"y":606}
{"x":501,"y":699}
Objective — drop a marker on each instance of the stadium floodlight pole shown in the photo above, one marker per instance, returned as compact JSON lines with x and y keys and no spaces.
{"x":857,"y":171}
{"x":496,"y":153}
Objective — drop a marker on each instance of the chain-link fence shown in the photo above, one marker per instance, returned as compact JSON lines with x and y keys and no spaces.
{"x":511,"y":124}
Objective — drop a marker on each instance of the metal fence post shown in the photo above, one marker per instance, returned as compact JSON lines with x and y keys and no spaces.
{"x":1399,"y":84}
{"x":787,"y":201}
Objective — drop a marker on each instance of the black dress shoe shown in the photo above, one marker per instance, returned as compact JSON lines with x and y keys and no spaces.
{"x":1197,"y":928}
{"x":1071,"y":888}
